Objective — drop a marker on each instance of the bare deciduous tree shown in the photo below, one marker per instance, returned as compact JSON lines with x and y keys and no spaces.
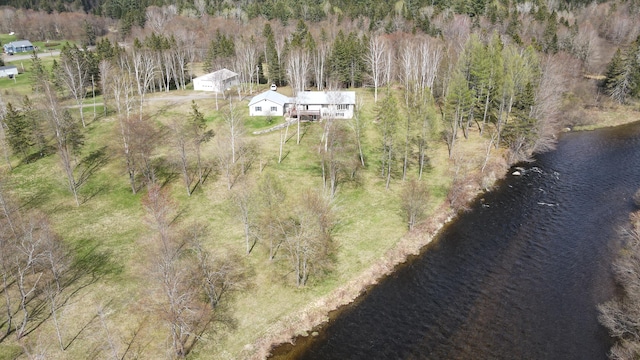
{"x":188,"y":280}
{"x":247,"y":55}
{"x":375,"y":59}
{"x":320,"y":56}
{"x":620,"y":316}
{"x":246,"y":205}
{"x":142,"y":69}
{"x":234,"y":129}
{"x":272,"y":195}
{"x":298,"y":65}
{"x":414,"y":201}
{"x":66,"y":134}
{"x":74,"y":74}
{"x":358,"y":126}
{"x":307,"y":236}
{"x":105,"y":67}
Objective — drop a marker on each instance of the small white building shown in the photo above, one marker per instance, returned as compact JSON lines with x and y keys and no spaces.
{"x":8,"y":71}
{"x":323,"y":104}
{"x":217,"y":81}
{"x":268,"y":103}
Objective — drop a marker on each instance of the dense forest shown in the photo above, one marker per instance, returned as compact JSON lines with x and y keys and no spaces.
{"x":210,"y":236}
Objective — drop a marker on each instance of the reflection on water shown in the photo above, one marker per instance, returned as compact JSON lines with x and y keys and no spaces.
{"x":518,"y":277}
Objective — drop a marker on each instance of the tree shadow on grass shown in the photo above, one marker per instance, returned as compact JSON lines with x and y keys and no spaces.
{"x":93,"y":261}
{"x":164,"y":172}
{"x":33,"y":157}
{"x":35,"y":200}
{"x":90,"y":164}
{"x":88,"y":266}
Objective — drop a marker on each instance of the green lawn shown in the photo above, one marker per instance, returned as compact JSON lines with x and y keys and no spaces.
{"x":108,"y":228}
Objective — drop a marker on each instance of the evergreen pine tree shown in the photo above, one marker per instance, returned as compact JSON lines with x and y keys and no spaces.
{"x":616,"y":82}
{"x":17,"y":131}
{"x":274,"y":68}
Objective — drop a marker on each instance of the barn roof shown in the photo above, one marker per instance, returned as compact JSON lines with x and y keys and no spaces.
{"x":272,"y":96}
{"x":220,"y":75}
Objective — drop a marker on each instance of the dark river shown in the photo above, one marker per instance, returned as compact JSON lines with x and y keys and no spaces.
{"x":517,"y":277}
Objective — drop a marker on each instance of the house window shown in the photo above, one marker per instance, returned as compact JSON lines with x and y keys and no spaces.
{"x":324,"y":106}
{"x":343,"y":106}
{"x":259,"y":108}
{"x":274,"y":108}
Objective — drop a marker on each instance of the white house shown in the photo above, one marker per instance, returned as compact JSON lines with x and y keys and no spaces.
{"x":217,"y":81}
{"x":323,"y":104}
{"x":268,"y":103}
{"x":8,"y":71}
{"x":313,"y":105}
{"x":18,"y":46}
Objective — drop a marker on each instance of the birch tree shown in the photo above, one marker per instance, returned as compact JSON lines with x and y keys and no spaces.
{"x":375,"y":59}
{"x":387,"y":121}
{"x":105,"y":68}
{"x":66,"y":134}
{"x":247,"y":56}
{"x":430,"y":55}
{"x":246,"y":205}
{"x":234,"y":129}
{"x":358,"y":126}
{"x":320,"y":56}
{"x":74,"y":74}
{"x":142,"y":70}
{"x":298,"y":66}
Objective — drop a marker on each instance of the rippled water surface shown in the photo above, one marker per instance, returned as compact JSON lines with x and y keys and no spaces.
{"x":518,"y":277}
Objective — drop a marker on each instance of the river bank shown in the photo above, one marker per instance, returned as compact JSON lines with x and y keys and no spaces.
{"x":314,"y":316}
{"x":317,"y":314}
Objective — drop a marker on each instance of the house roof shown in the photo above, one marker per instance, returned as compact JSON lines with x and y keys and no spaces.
{"x":20,"y":43}
{"x":326,"y":97}
{"x":272,"y":96}
{"x":218,"y":76}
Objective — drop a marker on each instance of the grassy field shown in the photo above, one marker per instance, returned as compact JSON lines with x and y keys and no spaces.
{"x":109,"y":227}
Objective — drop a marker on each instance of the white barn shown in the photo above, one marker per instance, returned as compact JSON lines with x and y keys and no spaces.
{"x":8,"y":71}
{"x":268,"y":103}
{"x":324,"y":104}
{"x":217,"y":81}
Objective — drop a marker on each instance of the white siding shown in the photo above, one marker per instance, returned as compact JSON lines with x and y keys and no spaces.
{"x":266,"y":108}
{"x":10,"y":71}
